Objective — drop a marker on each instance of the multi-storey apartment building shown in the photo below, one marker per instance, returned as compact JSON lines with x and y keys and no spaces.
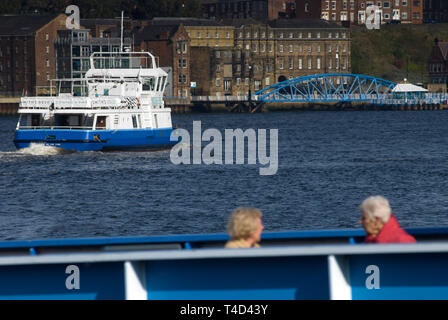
{"x":435,"y":10}
{"x":264,"y":54}
{"x":261,"y":10}
{"x":167,"y":39}
{"x":73,"y":50}
{"x":389,"y":11}
{"x":27,"y":55}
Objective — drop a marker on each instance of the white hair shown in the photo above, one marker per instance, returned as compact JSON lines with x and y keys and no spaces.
{"x":377,"y":206}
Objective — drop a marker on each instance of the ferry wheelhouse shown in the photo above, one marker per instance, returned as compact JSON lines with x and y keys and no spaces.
{"x":118,"y":105}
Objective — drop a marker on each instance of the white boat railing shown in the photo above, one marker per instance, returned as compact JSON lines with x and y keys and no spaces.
{"x":58,"y":127}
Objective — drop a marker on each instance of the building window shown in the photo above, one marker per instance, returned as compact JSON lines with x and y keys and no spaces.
{"x":47,"y":36}
{"x":238,"y":81}
{"x":262,"y":47}
{"x":291,"y":48}
{"x":291,"y":63}
{"x":281,"y":63}
{"x":218,"y":82}
{"x":318,"y":63}
{"x":300,"y":63}
{"x":280,"y":48}
{"x":310,"y":63}
{"x":228,"y":35}
{"x":268,"y":81}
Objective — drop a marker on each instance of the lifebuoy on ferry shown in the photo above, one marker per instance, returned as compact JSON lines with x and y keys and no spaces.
{"x":138,"y":102}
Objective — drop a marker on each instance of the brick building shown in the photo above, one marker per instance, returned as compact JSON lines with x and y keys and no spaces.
{"x":261,"y":10}
{"x":264,"y":54}
{"x":27,"y":55}
{"x":168,"y":40}
{"x":435,"y":10}
{"x":354,"y":11}
{"x":438,"y":65}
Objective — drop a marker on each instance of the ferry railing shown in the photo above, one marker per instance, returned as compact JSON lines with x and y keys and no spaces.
{"x":57,"y":127}
{"x":289,"y":265}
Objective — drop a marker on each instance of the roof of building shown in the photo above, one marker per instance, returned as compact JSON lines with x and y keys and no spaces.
{"x":152,"y":32}
{"x":443,"y":45}
{"x":305,"y":23}
{"x":408,"y":87}
{"x":285,"y":23}
{"x":22,"y":25}
{"x":185,"y":21}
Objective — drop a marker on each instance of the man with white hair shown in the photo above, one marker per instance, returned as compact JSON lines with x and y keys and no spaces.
{"x":380,"y":223}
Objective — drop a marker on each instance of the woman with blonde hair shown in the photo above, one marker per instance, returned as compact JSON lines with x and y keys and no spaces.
{"x":245,"y":227}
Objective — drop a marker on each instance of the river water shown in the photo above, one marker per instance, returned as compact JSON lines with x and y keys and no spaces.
{"x":328,"y":163}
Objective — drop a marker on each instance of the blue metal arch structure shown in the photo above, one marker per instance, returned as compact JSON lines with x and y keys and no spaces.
{"x":326,"y":88}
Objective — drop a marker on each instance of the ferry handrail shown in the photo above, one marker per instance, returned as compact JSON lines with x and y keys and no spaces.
{"x":344,"y":234}
{"x":58,"y":127}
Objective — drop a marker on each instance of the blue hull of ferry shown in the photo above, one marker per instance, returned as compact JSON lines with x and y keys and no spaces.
{"x":96,"y":140}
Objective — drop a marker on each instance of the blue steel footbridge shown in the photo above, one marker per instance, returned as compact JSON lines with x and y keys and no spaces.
{"x":328,"y":88}
{"x":339,"y":89}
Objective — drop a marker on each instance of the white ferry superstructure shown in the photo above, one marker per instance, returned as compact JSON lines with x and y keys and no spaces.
{"x":119,"y":108}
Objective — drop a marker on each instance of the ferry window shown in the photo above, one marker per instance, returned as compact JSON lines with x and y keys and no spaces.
{"x":134,"y":121}
{"x":158,"y":83}
{"x":101,"y":122}
{"x":35,"y":120}
{"x":163,"y":83}
{"x":148,"y":83}
{"x":106,"y":92}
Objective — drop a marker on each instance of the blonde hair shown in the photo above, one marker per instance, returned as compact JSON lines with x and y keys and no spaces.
{"x":243,"y":222}
{"x":377,"y":206}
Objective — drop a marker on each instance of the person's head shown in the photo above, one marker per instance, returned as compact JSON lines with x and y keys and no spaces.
{"x":245,"y":224}
{"x":376,"y":212}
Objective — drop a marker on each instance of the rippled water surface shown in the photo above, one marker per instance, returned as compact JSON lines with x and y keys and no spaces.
{"x":328,"y":163}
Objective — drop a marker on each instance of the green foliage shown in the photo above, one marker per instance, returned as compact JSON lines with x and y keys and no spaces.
{"x":395,"y":52}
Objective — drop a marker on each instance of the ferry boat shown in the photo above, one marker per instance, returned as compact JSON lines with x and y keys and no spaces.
{"x":118,"y":105}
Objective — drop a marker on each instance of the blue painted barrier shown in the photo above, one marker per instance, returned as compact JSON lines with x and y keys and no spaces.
{"x":326,"y":264}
